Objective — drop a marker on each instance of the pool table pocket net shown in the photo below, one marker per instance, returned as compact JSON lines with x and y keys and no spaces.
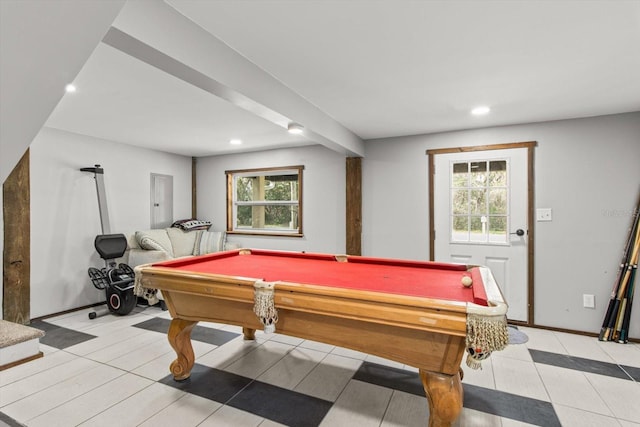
{"x":264,"y":305}
{"x":485,"y":334}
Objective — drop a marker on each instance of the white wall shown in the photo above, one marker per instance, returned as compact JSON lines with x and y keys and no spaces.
{"x":323,"y":196}
{"x":43,"y":46}
{"x":64,"y":209}
{"x":587,"y":171}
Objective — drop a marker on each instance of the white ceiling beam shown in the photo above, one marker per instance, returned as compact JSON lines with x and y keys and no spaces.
{"x":157,"y":34}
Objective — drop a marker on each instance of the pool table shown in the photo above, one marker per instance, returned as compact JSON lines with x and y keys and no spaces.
{"x":416,"y":313}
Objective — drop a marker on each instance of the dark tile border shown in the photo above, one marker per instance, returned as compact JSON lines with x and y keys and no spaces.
{"x":580,"y":364}
{"x":633,"y":372}
{"x":482,"y":399}
{"x":265,"y":400}
{"x":210,"y":383}
{"x":281,"y":405}
{"x":394,"y":378}
{"x":507,"y":405}
{"x":199,"y":333}
{"x":58,"y":336}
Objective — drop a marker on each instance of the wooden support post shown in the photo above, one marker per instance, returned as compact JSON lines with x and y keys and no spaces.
{"x":354,"y":205}
{"x":16,"y":270}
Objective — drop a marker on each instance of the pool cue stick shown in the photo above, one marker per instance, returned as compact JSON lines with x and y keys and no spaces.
{"x":612,"y":308}
{"x":618,"y":307}
{"x":622,"y":292}
{"x":619,"y":319}
{"x":630,"y":277}
{"x":624,"y":305}
{"x":624,"y":318}
{"x":624,"y":331}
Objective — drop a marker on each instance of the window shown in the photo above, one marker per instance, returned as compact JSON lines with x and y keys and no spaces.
{"x":265,"y":201}
{"x":479,"y":202}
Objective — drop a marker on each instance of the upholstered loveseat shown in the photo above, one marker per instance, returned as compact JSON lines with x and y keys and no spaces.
{"x":149,"y":246}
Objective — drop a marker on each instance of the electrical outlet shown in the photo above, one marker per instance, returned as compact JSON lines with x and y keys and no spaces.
{"x":589,"y":301}
{"x":543,"y":214}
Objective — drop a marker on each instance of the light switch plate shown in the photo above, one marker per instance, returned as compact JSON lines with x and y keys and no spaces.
{"x":588,"y":301}
{"x":543,"y":214}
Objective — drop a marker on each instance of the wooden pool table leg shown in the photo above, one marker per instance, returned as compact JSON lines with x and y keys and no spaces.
{"x":180,"y":339}
{"x":444,"y":393}
{"x":249,"y":334}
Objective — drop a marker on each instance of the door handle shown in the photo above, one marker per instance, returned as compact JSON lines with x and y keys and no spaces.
{"x":519,"y":232}
{"x":156,"y":204}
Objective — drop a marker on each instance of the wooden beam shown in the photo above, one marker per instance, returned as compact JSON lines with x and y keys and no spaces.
{"x":17,"y":250}
{"x":354,"y":205}
{"x":432,"y":209}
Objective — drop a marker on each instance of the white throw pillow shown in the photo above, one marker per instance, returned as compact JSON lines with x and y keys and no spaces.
{"x":155,"y":240}
{"x":182,"y":242}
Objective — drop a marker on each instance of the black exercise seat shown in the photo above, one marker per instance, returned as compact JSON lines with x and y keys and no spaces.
{"x":110,"y":246}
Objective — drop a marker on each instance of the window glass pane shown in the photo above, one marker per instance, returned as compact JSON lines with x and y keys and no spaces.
{"x":460,"y":229}
{"x":244,"y":216}
{"x":460,"y":202}
{"x":498,"y":173}
{"x":460,"y":177}
{"x":280,"y":216}
{"x":478,"y":174}
{"x":498,"y":201}
{"x":478,"y":225}
{"x":478,"y":202}
{"x":283,"y":187}
{"x":268,"y":217}
{"x":498,"y":229}
{"x":244,"y":189}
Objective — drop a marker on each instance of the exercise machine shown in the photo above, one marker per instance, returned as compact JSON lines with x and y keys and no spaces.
{"x":116,"y":280}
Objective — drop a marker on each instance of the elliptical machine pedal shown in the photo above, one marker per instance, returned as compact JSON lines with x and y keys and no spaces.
{"x":98,"y":278}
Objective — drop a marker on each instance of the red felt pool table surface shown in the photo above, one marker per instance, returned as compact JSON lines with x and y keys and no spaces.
{"x":401,"y":277}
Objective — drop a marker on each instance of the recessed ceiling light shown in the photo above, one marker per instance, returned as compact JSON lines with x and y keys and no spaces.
{"x":479,"y":111}
{"x":295,"y":128}
{"x":70,"y":88}
{"x":235,"y":142}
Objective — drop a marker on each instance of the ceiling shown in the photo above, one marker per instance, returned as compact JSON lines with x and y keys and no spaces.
{"x":380,"y":68}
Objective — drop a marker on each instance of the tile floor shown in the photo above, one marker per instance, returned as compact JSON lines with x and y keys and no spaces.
{"x":113,"y":371}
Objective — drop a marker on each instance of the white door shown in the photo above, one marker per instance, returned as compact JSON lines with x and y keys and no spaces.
{"x":161,"y":200}
{"x":480,"y":217}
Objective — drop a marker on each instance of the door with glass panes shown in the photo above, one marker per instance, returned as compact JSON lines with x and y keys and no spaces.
{"x":480,"y":217}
